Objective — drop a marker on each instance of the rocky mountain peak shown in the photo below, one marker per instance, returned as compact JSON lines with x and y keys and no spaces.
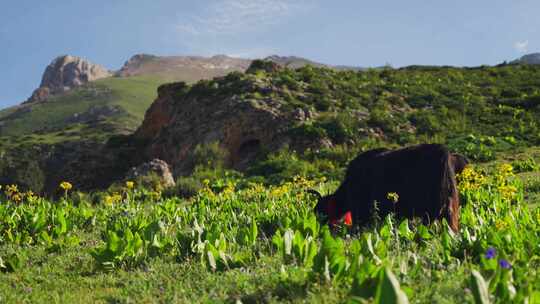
{"x":64,"y":73}
{"x":134,"y":63}
{"x":182,"y":68}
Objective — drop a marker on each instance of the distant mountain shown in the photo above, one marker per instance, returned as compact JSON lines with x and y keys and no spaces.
{"x":182,"y":68}
{"x":294,"y":62}
{"x":64,"y":73}
{"x":74,"y":90}
{"x":80,"y":106}
{"x":533,"y":58}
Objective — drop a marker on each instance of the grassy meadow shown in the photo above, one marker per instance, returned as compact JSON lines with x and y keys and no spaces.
{"x":237,"y":241}
{"x":252,"y":237}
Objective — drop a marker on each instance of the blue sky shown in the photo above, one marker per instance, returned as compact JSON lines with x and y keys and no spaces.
{"x":349,"y":32}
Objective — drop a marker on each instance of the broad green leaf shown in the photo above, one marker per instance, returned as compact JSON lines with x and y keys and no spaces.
{"x":368,"y":247}
{"x":277,"y":240}
{"x":288,"y":241}
{"x":479,"y":288}
{"x":388,"y":290}
{"x":224,"y":259}
{"x":254,"y":232}
{"x":211,"y":260}
{"x":423,"y":232}
{"x":113,"y":241}
{"x":404,"y":230}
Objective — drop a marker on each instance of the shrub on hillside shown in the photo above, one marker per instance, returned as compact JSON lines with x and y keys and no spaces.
{"x":209,"y":155}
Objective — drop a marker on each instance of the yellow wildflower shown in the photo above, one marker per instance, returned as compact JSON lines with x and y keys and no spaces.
{"x":393,"y":197}
{"x":506,"y":170}
{"x":108,"y":200}
{"x":16,"y":198}
{"x":508,"y":192}
{"x":500,"y":224}
{"x":302,"y":182}
{"x":155,"y":195}
{"x":30,"y":196}
{"x":113,"y":199}
{"x":130,"y":184}
{"x":11,"y":190}
{"x":117,"y":197}
{"x":470,"y":179}
{"x":66,"y":186}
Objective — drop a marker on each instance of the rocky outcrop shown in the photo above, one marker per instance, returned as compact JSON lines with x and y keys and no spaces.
{"x":160,"y":112}
{"x":40,"y":95}
{"x":132,"y":66}
{"x":264,"y":65}
{"x":155,"y":167}
{"x":176,"y":123}
{"x":96,"y":113}
{"x":65,"y":73}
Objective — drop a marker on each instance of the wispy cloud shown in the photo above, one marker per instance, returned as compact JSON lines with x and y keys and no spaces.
{"x":521,"y":46}
{"x":229,"y":17}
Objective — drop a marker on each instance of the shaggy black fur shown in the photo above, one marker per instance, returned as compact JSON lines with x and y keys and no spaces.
{"x":423,"y":176}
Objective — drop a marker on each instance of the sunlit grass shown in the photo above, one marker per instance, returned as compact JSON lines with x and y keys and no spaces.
{"x":237,"y":241}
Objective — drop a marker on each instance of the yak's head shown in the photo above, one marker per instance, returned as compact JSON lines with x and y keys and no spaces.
{"x":459,"y":162}
{"x":327,"y":207}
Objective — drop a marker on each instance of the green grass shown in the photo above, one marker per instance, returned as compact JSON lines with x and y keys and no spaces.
{"x":132,"y":95}
{"x":229,"y":243}
{"x":71,"y":277}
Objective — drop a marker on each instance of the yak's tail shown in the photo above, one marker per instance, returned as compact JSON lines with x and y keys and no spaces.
{"x":449,"y":195}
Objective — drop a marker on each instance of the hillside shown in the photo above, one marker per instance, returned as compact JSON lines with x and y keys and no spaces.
{"x":182,"y":68}
{"x":533,"y":58}
{"x":324,"y":114}
{"x":81,"y":91}
{"x":476,"y":111}
{"x":121,"y":101}
{"x":116,"y":101}
{"x":79,"y":107}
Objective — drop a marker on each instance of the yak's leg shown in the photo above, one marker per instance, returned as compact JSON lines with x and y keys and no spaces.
{"x":452,"y":215}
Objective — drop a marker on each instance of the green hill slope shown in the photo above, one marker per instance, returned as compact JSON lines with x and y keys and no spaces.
{"x":120,"y":102}
{"x":476,"y":111}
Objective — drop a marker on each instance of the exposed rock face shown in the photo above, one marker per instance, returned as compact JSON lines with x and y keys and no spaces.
{"x":264,"y":65}
{"x":64,"y":73}
{"x":160,"y":112}
{"x":40,"y":94}
{"x":95,"y":113}
{"x":132,"y":66}
{"x":176,"y":124}
{"x":155,"y":166}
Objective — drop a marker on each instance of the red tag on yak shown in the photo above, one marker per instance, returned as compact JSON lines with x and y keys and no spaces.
{"x":332,"y":217}
{"x":348,"y":218}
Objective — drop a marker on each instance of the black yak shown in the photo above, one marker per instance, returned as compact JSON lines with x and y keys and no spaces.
{"x":417,"y":181}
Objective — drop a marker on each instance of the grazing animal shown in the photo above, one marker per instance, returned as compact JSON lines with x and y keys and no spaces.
{"x":460,"y":162}
{"x":417,"y":181}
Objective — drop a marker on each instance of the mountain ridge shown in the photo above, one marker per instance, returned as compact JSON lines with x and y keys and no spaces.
{"x":531,"y":58}
{"x":85,"y":135}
